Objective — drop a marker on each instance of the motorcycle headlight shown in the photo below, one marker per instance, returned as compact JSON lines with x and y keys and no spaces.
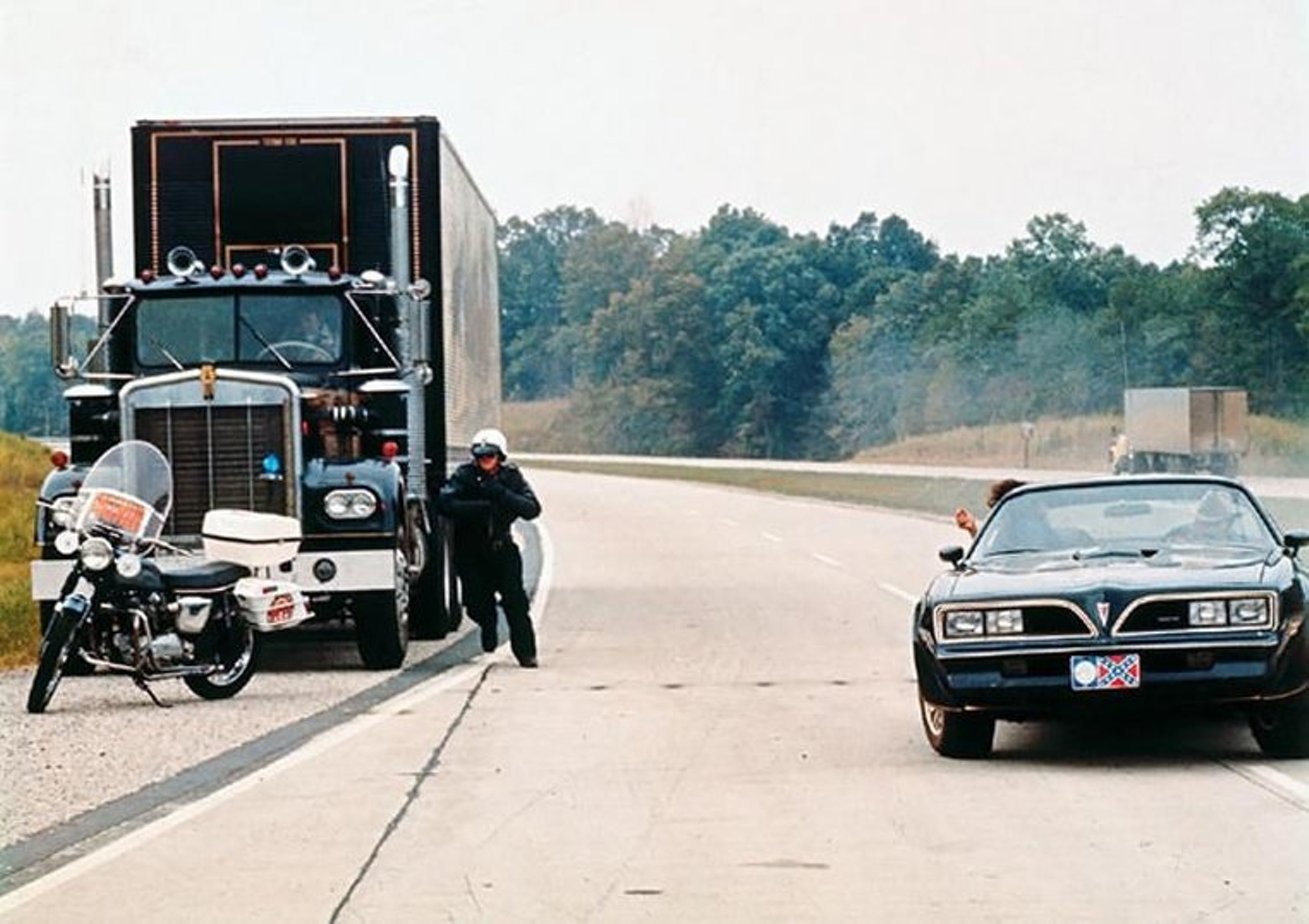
{"x":350,"y":504}
{"x":96,"y":554}
{"x":128,"y":566}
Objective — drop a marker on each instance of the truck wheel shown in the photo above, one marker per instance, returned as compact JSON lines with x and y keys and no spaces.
{"x":76,"y":665}
{"x":1282,"y":728}
{"x":228,"y":683}
{"x":434,"y":610}
{"x":56,"y":644}
{"x":956,"y":734}
{"x":382,"y":619}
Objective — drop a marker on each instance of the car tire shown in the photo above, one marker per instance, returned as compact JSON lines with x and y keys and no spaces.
{"x":1282,"y":728}
{"x":966,"y":735}
{"x":382,"y":620}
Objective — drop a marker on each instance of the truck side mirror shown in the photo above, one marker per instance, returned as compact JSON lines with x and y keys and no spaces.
{"x":60,"y":335}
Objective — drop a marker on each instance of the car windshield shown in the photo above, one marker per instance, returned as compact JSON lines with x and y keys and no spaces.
{"x":285,"y":328}
{"x":1128,"y":517}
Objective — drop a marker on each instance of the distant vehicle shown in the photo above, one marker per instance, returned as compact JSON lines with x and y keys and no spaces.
{"x":313,"y":323}
{"x":1183,"y":430}
{"x":1104,"y":595}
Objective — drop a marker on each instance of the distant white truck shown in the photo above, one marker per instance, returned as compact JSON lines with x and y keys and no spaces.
{"x":1184,"y":430}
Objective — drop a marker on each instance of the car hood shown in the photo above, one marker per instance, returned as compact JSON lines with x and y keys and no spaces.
{"x":1064,"y":575}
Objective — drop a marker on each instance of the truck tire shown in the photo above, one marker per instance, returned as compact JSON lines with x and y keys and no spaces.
{"x":382,"y":619}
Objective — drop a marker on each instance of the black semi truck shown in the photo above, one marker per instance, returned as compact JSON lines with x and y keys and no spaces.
{"x":312,"y":325}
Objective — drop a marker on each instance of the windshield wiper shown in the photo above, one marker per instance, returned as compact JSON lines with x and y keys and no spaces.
{"x":162,"y":349}
{"x":1098,"y":552}
{"x":263,"y":341}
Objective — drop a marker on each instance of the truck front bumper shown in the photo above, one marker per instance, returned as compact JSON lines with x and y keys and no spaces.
{"x":352,"y":571}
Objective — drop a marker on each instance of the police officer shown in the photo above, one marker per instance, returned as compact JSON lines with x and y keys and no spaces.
{"x":483,"y":497}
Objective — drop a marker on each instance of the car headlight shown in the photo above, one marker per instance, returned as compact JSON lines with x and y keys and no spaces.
{"x":1204,"y":613}
{"x":1248,"y":611}
{"x":350,"y":504}
{"x":1004,"y":622}
{"x":96,"y":554}
{"x":964,"y":624}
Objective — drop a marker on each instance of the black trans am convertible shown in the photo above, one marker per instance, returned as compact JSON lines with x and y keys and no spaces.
{"x":1140,"y":593}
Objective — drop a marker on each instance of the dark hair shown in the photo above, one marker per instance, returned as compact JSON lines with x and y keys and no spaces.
{"x":1000,"y":488}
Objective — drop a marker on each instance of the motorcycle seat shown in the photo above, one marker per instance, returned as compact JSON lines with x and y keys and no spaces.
{"x":199,"y":577}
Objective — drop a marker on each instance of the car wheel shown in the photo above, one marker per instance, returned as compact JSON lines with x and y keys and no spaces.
{"x":1282,"y":727}
{"x":956,"y":734}
{"x":382,"y":620}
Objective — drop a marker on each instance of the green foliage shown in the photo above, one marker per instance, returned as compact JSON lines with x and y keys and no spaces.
{"x":744,"y":339}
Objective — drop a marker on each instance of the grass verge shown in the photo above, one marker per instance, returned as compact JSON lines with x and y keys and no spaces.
{"x":23,"y":465}
{"x":897,"y":492}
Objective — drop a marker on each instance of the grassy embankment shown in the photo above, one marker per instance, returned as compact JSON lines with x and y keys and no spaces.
{"x":23,"y":464}
{"x":1277,"y":448}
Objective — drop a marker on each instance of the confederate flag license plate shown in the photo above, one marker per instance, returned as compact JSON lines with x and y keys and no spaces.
{"x":1105,"y":672}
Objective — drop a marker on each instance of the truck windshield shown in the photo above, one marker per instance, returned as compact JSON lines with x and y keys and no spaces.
{"x":300,"y":327}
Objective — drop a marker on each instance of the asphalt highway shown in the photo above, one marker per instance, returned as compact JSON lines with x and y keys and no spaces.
{"x":723,"y":728}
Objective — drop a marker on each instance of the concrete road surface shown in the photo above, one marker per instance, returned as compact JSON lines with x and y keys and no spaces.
{"x":723,"y":729}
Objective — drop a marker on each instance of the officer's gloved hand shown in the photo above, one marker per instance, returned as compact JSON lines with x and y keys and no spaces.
{"x":493,"y":489}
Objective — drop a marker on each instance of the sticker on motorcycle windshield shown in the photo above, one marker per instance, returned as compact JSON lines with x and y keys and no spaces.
{"x":1105,"y":672}
{"x":125,"y":513}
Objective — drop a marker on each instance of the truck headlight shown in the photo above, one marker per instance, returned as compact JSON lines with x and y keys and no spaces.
{"x":350,"y":504}
{"x":964,"y":624}
{"x":1248,"y":611}
{"x":1205,"y":613}
{"x":96,"y":554}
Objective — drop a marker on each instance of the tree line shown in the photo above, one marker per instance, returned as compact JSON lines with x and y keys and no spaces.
{"x":744,"y":339}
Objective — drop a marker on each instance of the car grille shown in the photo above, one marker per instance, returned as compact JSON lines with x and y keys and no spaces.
{"x":217,"y":455}
{"x":1170,"y":614}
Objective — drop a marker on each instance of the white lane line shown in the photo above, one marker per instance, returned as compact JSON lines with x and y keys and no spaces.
{"x":1275,"y":781}
{"x":827,"y":561}
{"x":312,"y":748}
{"x":897,"y":592}
{"x":771,"y":538}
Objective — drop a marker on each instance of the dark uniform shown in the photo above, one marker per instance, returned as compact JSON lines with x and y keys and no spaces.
{"x":486,"y":559}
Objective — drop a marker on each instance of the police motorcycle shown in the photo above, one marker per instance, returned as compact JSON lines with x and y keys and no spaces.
{"x":137,"y":605}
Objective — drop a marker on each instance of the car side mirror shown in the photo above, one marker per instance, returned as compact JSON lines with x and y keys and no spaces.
{"x":951,"y":554}
{"x":1295,"y":539}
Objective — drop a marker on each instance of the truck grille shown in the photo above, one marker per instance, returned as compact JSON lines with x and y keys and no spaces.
{"x":217,"y":453}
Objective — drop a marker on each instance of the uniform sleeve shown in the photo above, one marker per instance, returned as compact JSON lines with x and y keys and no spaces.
{"x":516,"y":495}
{"x":460,"y":498}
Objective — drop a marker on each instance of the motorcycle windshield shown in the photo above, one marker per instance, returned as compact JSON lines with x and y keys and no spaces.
{"x":128,"y":490}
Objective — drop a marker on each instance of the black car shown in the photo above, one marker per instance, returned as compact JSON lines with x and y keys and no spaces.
{"x":1132,"y":594}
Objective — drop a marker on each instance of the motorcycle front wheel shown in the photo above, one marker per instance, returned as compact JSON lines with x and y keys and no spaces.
{"x":55,"y":647}
{"x":226,"y":683}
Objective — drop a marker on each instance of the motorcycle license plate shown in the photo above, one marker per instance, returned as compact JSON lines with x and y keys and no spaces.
{"x":1105,"y":672}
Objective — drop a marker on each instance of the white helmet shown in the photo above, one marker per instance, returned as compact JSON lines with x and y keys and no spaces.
{"x":490,"y":440}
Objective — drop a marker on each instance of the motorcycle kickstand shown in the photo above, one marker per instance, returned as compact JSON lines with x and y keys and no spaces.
{"x":140,"y":682}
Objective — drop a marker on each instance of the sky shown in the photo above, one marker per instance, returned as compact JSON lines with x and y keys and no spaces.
{"x":966,"y":117}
